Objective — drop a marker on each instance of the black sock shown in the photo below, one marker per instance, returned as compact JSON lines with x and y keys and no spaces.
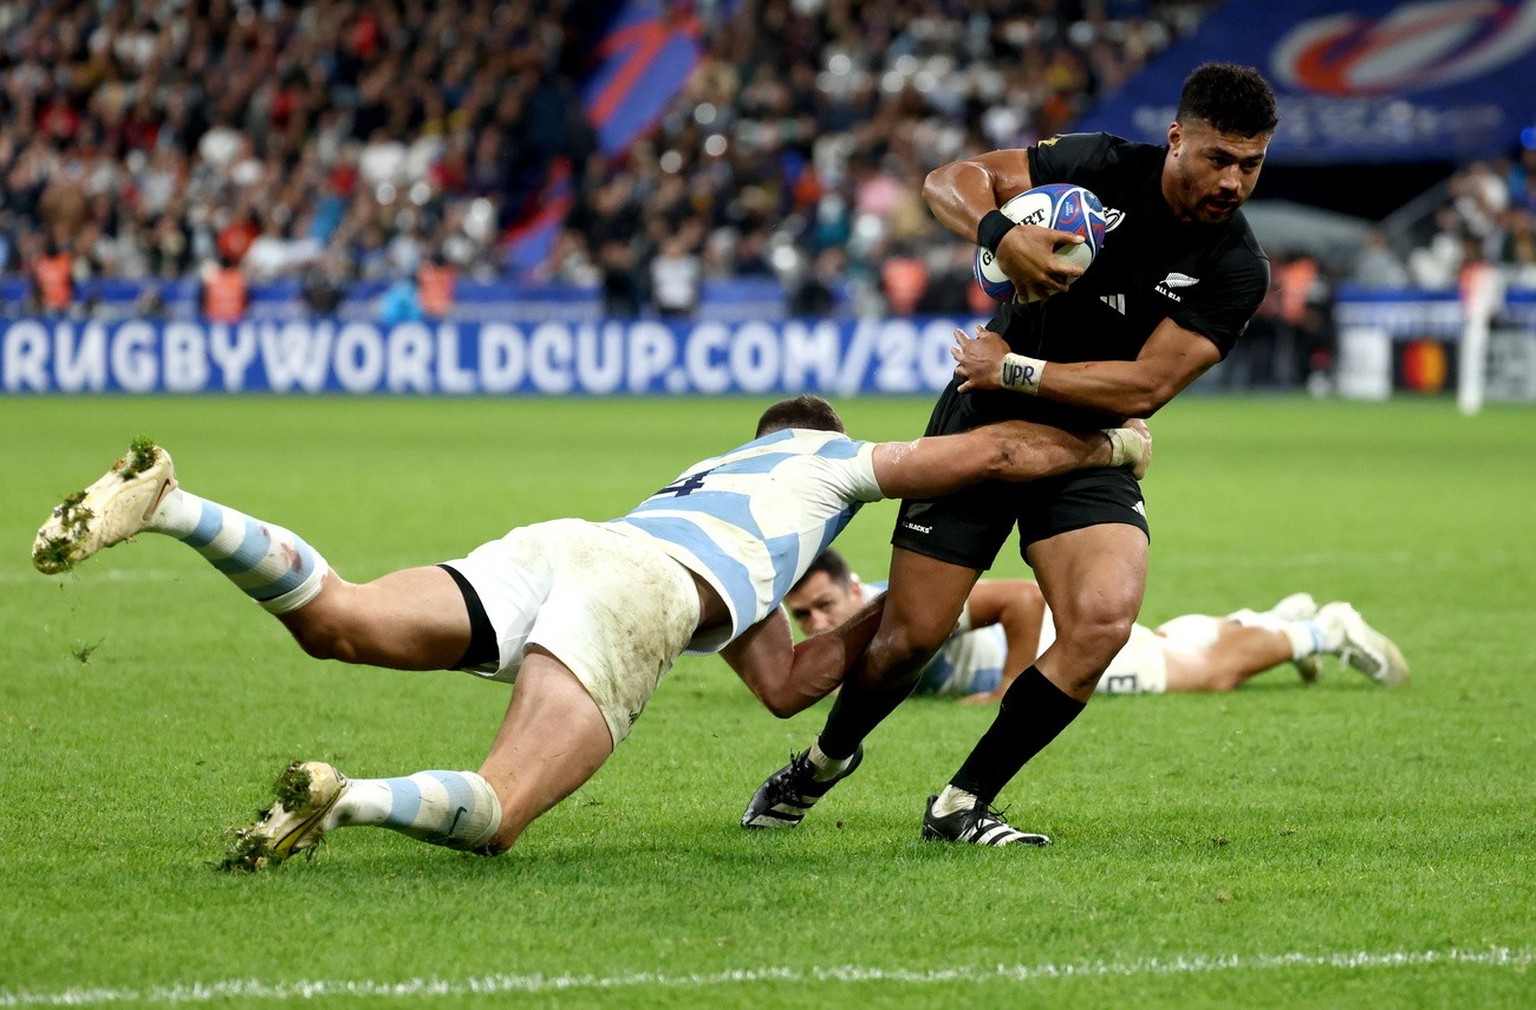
{"x":858,"y":710}
{"x":1032,"y":712}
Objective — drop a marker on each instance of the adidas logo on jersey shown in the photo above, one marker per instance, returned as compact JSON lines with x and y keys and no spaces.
{"x":1175,"y":280}
{"x":1116,"y":302}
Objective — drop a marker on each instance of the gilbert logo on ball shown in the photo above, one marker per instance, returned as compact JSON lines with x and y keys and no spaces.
{"x":1060,"y":206}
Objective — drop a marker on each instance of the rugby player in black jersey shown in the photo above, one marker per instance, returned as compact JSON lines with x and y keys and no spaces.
{"x":1178,"y":278}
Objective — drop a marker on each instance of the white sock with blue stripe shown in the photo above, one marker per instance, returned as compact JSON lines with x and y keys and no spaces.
{"x":271,"y":565}
{"x":455,"y":809}
{"x":1306,"y":637}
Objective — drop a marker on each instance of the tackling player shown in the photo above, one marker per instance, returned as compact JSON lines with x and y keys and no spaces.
{"x":585,"y":617}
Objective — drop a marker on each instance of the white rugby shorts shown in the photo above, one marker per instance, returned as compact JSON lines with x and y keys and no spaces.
{"x":1139,"y":668}
{"x":614,"y":609}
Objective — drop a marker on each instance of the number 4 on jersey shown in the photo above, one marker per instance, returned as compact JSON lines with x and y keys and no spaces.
{"x":685,"y":485}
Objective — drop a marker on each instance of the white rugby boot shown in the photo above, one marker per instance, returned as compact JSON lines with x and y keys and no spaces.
{"x":1363,"y":648}
{"x":112,"y":510}
{"x":305,"y":792}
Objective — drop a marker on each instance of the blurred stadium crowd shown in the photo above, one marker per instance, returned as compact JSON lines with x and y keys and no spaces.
{"x":158,"y":138}
{"x":344,"y":140}
{"x":338,"y":141}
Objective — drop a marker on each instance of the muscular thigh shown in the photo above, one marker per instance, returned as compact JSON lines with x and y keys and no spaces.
{"x":614,"y":610}
{"x":1093,"y":579}
{"x":1091,"y":574}
{"x":415,"y":619}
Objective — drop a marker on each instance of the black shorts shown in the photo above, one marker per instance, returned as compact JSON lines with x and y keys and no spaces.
{"x":969,"y":527}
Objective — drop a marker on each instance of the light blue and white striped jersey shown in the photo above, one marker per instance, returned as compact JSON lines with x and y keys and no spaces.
{"x":751,"y":521}
{"x":969,"y":662}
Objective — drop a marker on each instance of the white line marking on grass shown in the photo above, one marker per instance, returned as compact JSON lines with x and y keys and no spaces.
{"x":104,"y":575}
{"x":1303,"y":560}
{"x":254,"y":989}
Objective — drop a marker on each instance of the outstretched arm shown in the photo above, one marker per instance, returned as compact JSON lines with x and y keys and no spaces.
{"x":790,"y":678}
{"x":936,"y":465}
{"x":1171,"y":359}
{"x":1017,"y":605}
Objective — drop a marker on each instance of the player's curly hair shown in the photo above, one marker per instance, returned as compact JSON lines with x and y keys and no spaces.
{"x":804,"y":411}
{"x":1232,"y":98}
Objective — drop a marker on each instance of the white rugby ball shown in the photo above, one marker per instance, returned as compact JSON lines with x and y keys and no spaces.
{"x":1057,"y":205}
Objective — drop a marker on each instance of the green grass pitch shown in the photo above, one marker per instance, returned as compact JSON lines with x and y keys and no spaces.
{"x":1331,"y":846}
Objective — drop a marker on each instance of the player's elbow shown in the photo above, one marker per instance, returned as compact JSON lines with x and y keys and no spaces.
{"x":772,"y":690}
{"x":783,"y":703}
{"x":1146,"y":398}
{"x":934,"y":183}
{"x":1005,"y":457}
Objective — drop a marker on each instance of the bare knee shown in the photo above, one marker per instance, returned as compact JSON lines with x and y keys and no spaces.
{"x":1089,"y":643}
{"x":1221,"y":681}
{"x":899,"y":651}
{"x":909,"y":641}
{"x":784,"y":706}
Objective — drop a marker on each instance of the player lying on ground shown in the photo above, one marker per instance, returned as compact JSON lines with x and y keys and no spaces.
{"x":1006,"y":626}
{"x":584,"y":616}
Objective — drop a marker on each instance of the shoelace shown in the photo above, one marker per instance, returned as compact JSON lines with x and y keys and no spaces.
{"x":988,"y":818}
{"x":787,"y":787}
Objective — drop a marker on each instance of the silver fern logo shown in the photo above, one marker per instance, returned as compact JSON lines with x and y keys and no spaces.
{"x":1166,"y":286}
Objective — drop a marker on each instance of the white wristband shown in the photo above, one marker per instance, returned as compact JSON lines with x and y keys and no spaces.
{"x":1125,"y":447}
{"x":1022,"y":373}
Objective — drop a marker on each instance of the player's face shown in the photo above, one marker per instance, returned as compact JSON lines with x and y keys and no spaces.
{"x":1209,"y":173}
{"x":820,"y":604}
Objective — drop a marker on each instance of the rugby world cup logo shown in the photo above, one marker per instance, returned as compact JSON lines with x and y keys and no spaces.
{"x":1413,"y":47}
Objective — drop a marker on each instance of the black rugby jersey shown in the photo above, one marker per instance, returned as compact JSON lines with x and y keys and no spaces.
{"x":1209,"y":278}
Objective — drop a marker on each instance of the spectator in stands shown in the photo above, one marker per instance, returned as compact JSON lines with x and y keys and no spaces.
{"x":1520,"y":176}
{"x":813,"y":290}
{"x":1305,"y":343}
{"x":196,"y":121}
{"x":1436,"y":264}
{"x":1377,"y":266}
{"x":903,"y":281}
{"x":169,"y":247}
{"x":53,"y":278}
{"x":1518,"y":252}
{"x":676,"y":274}
{"x":436,"y":282}
{"x":1480,"y":196}
{"x":224,"y":293}
{"x":320,"y":288}
{"x":400,"y":302}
